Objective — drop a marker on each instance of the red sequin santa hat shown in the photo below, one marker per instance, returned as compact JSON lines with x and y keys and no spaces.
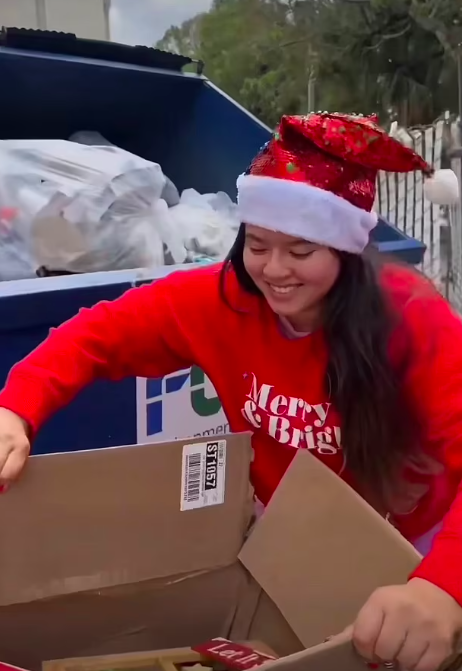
{"x":316,"y":179}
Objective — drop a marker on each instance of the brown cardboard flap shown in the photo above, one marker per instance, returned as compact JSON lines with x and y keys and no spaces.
{"x":319,"y":551}
{"x":338,"y":654}
{"x":88,"y":520}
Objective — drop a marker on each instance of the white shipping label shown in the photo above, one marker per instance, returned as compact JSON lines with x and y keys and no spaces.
{"x":203,"y":475}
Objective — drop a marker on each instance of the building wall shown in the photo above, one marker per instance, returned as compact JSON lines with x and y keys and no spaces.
{"x":85,"y":18}
{"x":18,"y":13}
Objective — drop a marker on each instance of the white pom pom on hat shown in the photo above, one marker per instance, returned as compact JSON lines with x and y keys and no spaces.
{"x":442,"y":187}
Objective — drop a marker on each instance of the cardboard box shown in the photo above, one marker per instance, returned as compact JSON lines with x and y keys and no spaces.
{"x":106,"y":552}
{"x":216,"y":654}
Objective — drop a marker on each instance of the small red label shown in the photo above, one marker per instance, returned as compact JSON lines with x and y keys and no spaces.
{"x":231,"y":654}
{"x":7,"y":216}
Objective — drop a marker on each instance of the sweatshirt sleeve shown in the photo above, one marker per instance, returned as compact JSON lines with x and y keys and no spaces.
{"x":139,"y":334}
{"x":436,"y":385}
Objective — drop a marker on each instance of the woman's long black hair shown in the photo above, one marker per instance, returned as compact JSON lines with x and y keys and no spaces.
{"x":379,"y":429}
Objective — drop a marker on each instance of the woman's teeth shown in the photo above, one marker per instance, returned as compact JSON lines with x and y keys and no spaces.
{"x":283,"y":290}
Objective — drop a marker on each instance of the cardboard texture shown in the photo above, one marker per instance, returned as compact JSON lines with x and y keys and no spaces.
{"x":332,"y":551}
{"x":233,"y":656}
{"x":337,"y":654}
{"x":98,"y":558}
{"x":156,"y":660}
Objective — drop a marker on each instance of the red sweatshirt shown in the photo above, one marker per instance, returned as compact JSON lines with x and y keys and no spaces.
{"x":267,"y":383}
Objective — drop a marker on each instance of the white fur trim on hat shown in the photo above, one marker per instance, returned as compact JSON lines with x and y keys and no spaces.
{"x":304,"y":211}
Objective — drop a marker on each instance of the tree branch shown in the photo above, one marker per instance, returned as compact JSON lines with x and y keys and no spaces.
{"x":390,"y":36}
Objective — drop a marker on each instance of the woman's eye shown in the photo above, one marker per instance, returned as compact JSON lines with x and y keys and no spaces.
{"x":257,"y":250}
{"x":302,"y":255}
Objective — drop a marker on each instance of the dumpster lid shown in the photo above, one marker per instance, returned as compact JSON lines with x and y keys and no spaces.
{"x":68,"y":44}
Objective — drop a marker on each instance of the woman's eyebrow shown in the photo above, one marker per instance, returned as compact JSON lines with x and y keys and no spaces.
{"x":303,"y":242}
{"x":253,"y":237}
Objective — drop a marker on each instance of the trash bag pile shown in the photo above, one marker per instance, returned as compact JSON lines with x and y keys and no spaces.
{"x":84,"y":205}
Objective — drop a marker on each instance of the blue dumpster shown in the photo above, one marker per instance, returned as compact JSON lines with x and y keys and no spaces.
{"x":142,"y":101}
{"x":390,"y":240}
{"x":106,"y":413}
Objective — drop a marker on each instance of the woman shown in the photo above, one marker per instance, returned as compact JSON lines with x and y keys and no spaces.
{"x":313,"y":346}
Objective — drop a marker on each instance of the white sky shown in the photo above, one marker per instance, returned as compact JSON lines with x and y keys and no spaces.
{"x":145,"y":21}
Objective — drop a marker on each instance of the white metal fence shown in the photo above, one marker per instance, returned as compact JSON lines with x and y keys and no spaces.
{"x":400,"y":199}
{"x":454,"y":274}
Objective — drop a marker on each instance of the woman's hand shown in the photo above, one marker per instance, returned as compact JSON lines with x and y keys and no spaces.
{"x":416,"y":626}
{"x":14,"y":447}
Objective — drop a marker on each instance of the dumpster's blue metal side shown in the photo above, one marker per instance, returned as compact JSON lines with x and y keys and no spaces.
{"x":393,"y":242}
{"x":201,"y":138}
{"x":105,"y":413}
{"x":138,"y":108}
{"x":218,"y":141}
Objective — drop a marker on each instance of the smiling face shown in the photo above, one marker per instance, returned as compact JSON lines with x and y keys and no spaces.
{"x":293,"y":275}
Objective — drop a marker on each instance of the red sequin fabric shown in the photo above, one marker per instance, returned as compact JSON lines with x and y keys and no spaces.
{"x":336,"y":152}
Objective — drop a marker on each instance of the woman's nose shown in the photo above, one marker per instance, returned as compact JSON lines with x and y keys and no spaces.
{"x":276,"y":268}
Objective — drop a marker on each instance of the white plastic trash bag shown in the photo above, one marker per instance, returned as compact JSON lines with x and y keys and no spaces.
{"x":21,"y":197}
{"x":88,"y":208}
{"x":92,"y":138}
{"x":16,"y":257}
{"x":206,"y":223}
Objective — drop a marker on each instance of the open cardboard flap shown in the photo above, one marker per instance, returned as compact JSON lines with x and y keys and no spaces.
{"x":99,"y":557}
{"x":337,"y":654}
{"x":103,"y":518}
{"x":319,"y":551}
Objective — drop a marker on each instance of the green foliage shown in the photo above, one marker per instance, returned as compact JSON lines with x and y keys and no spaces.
{"x":395,"y":57}
{"x":184,"y":39}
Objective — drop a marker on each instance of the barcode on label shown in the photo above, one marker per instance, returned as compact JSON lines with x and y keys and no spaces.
{"x":193,"y":478}
{"x":221,"y":452}
{"x":203,"y":475}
